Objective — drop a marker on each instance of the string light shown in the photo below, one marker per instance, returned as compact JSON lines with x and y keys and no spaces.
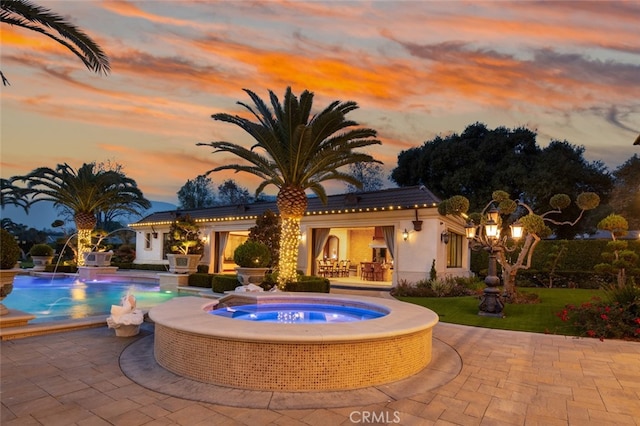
{"x":289,"y":242}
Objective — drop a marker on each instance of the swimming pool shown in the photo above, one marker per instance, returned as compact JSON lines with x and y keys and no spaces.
{"x":55,"y":299}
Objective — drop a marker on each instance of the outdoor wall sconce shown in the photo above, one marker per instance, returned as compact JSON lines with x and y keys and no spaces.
{"x":417,"y":224}
{"x":153,"y":232}
{"x":405,"y":234}
{"x":444,"y":237}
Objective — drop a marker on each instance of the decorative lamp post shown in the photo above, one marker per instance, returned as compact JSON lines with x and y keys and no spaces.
{"x":487,"y":237}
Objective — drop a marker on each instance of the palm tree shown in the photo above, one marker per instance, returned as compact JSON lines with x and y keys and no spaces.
{"x":12,"y":195}
{"x":295,"y":151}
{"x":84,"y":193}
{"x":25,"y":14}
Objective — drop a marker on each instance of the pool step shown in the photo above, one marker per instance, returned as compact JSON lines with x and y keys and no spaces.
{"x":51,"y":327}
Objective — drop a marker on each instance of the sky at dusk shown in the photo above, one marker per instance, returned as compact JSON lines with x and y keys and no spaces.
{"x":417,"y":69}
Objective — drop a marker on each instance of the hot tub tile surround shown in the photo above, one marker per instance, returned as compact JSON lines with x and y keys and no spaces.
{"x":191,"y":342}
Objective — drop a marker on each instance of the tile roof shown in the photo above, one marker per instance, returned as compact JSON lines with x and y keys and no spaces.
{"x":393,"y":198}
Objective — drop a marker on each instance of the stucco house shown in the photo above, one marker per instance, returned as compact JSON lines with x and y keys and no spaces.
{"x":399,"y":228}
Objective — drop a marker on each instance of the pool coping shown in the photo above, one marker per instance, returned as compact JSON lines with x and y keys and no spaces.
{"x":189,"y":314}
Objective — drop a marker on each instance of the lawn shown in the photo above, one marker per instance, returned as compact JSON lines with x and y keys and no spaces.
{"x":538,"y":318}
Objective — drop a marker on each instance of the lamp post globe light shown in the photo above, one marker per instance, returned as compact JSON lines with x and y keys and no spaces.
{"x":486,"y":236}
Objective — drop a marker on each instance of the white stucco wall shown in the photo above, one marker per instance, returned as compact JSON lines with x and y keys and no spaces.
{"x":412,"y":258}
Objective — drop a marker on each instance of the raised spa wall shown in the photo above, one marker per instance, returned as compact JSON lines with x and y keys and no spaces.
{"x":191,"y":342}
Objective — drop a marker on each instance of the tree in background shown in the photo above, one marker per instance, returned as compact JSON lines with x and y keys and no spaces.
{"x":26,"y":14}
{"x":197,"y":193}
{"x":561,"y":168}
{"x":83,"y":193}
{"x":475,"y":162}
{"x":370,"y":174}
{"x":267,"y":231}
{"x":295,"y":151}
{"x":232,"y":194}
{"x":625,"y":197}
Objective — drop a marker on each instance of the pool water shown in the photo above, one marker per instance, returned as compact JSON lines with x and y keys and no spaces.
{"x":55,"y":299}
{"x":303,"y":313}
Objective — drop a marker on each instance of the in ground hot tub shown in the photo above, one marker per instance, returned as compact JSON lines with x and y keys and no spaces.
{"x":287,"y":355}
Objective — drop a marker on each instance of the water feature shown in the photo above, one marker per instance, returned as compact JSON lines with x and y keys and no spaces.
{"x":54,"y":299}
{"x":287,"y":355}
{"x":298,"y":313}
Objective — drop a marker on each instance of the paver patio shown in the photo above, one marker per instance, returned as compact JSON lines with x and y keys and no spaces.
{"x":506,"y":378}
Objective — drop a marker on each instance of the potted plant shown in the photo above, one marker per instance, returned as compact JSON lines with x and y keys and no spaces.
{"x":184,"y":246}
{"x":252,"y":258}
{"x":42,"y":255}
{"x":98,"y":256}
{"x":9,"y":255}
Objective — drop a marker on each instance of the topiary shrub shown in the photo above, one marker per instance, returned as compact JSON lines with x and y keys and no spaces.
{"x":9,"y":250}
{"x":41,"y":250}
{"x":252,"y":254}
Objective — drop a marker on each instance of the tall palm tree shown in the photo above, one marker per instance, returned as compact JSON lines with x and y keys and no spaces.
{"x":25,"y":14}
{"x":296,"y":151}
{"x":84,"y":193}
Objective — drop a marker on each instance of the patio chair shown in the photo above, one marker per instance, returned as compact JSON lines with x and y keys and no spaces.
{"x":366,"y":271}
{"x":378,"y":272}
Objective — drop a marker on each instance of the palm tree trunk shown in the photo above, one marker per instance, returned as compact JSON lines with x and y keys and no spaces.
{"x":289,"y":242}
{"x":84,"y":244}
{"x":85,"y":224}
{"x":292,"y":203}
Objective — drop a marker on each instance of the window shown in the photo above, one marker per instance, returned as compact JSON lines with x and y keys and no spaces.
{"x":147,"y":240}
{"x":454,"y":250}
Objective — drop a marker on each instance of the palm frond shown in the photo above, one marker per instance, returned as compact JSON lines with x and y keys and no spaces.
{"x":25,"y":14}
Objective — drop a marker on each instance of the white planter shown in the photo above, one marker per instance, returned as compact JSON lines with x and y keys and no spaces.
{"x":6,"y":286}
{"x":183,"y":263}
{"x":248,"y":276}
{"x":39,"y":262}
{"x":97,"y":258}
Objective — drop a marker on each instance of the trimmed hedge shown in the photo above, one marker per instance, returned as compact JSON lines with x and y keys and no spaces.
{"x":200,"y":280}
{"x":142,"y":266}
{"x":581,"y":255}
{"x":310,"y":284}
{"x":224,"y":282}
{"x":563,"y":279}
{"x":67,"y":269}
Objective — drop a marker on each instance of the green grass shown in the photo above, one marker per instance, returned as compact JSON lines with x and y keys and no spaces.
{"x":538,"y":318}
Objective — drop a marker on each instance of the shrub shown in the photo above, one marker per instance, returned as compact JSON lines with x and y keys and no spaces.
{"x":141,"y":266}
{"x":224,"y":282}
{"x":67,"y":269}
{"x":124,"y":254}
{"x":311,"y":284}
{"x":41,"y":250}
{"x":448,"y":287}
{"x":252,"y":254}
{"x":9,"y":250}
{"x":604,"y":319}
{"x":201,"y":280}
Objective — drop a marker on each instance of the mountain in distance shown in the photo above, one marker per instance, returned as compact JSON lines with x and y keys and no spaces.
{"x":42,"y":214}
